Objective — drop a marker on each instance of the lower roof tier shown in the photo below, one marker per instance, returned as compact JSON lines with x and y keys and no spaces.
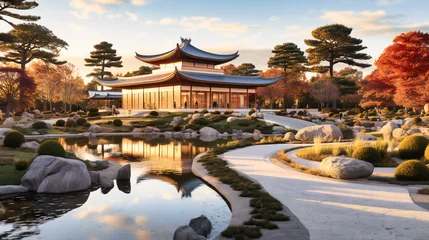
{"x":187,"y":77}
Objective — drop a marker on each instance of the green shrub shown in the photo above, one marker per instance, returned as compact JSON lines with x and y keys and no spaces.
{"x":228,"y":112}
{"x":400,"y":112}
{"x":109,"y":122}
{"x":87,"y":124}
{"x":196,"y":111}
{"x":13,"y":139}
{"x":39,"y":125}
{"x":302,"y":113}
{"x":217,"y":118}
{"x":216,"y":112}
{"x":374,"y":119}
{"x":71,"y":115}
{"x":426,"y":155}
{"x":242,"y":122}
{"x":21,"y":164}
{"x":412,"y":170}
{"x":153,"y":113}
{"x":80,"y":121}
{"x":355,"y":111}
{"x":205,"y":111}
{"x":200,"y":121}
{"x":117,"y":122}
{"x":331,"y":114}
{"x":372,"y":113}
{"x":60,"y":123}
{"x":157,"y":122}
{"x":413,"y":147}
{"x":71,"y":123}
{"x":177,"y":128}
{"x":93,"y":112}
{"x":51,"y":147}
{"x":411,"y":113}
{"x":329,"y":110}
{"x":368,"y":154}
{"x":252,"y":111}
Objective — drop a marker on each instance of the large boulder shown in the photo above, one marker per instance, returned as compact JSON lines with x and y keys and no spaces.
{"x":196,"y":115}
{"x":9,"y":122}
{"x":12,"y":189}
{"x":124,"y":173}
{"x":279,"y":129}
{"x":399,"y":133}
{"x":256,"y":132}
{"x":49,"y":174}
{"x":346,"y":168}
{"x":388,"y":128}
{"x":36,"y":112}
{"x":208,"y":131}
{"x":326,"y":132}
{"x":3,"y":131}
{"x":409,"y":123}
{"x":177,"y":119}
{"x":365,"y":136}
{"x":201,"y":225}
{"x":95,"y":177}
{"x":289,"y":136}
{"x":106,"y":184}
{"x":33,"y":145}
{"x":186,"y":233}
{"x":413,"y":131}
{"x":75,"y":117}
{"x":148,"y":129}
{"x":94,"y":128}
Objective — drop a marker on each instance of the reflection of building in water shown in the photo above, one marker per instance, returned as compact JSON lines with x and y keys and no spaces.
{"x":183,"y":182}
{"x":163,"y":157}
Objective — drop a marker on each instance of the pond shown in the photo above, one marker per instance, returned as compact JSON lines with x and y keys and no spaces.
{"x":162,"y":195}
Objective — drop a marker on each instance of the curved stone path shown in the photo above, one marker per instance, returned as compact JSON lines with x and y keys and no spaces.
{"x":332,"y":209}
{"x":294,"y":123}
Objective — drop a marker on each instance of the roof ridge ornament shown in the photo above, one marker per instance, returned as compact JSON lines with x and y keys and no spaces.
{"x":183,"y":40}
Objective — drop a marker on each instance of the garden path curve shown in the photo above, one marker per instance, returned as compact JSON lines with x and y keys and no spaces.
{"x":333,"y":209}
{"x":294,"y":123}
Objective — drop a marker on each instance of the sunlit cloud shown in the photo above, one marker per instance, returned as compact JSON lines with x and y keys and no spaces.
{"x":90,"y":209}
{"x":388,"y":2}
{"x":139,"y":2}
{"x":132,"y":16}
{"x":211,"y":24}
{"x":274,"y":18}
{"x":373,"y":23}
{"x":168,"y":196}
{"x":109,"y":1}
{"x":167,"y":21}
{"x":293,"y":27}
{"x":85,"y":8}
{"x":114,"y":16}
{"x":146,"y":22}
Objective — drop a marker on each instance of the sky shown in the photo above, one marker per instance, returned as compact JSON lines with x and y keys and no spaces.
{"x":253,"y":27}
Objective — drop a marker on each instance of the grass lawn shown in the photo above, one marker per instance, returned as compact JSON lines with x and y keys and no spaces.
{"x":8,"y":174}
{"x":424,"y":191}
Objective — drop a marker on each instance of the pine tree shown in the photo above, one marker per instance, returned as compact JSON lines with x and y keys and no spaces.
{"x":291,"y":59}
{"x":104,"y":57}
{"x":245,"y":69}
{"x":17,"y":5}
{"x":334,"y":44}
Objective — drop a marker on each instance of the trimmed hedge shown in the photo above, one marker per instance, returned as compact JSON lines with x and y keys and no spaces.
{"x":217,"y":118}
{"x":412,"y":170}
{"x":177,"y":128}
{"x":117,"y":122}
{"x":87,"y":124}
{"x":13,"y":139}
{"x":367,"y":154}
{"x":413,"y":147}
{"x":154,"y":113}
{"x":228,"y":112}
{"x":80,"y":121}
{"x":71,"y":123}
{"x":21,"y":164}
{"x":60,"y":123}
{"x":51,"y":147}
{"x":200,"y":121}
{"x":205,"y":111}
{"x":39,"y":125}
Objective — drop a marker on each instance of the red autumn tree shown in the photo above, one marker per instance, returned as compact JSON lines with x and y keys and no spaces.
{"x":14,"y":82}
{"x":405,"y":64}
{"x":273,"y":91}
{"x":227,"y":69}
{"x":377,"y":90}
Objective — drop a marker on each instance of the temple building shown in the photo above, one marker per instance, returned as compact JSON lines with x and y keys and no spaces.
{"x":187,"y":78}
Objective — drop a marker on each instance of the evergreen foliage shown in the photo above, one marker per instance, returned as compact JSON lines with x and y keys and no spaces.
{"x":103,"y":57}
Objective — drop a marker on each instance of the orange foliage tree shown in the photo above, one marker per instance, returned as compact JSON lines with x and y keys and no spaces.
{"x":273,"y":91}
{"x":403,"y":69}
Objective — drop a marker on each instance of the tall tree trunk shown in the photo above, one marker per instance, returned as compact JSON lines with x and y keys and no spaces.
{"x":8,"y":106}
{"x":21,"y":93}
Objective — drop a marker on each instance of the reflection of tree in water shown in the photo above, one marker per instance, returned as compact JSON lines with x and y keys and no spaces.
{"x":27,"y":213}
{"x":183,"y":182}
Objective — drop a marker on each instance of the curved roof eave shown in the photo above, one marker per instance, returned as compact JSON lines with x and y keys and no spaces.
{"x":131,"y":81}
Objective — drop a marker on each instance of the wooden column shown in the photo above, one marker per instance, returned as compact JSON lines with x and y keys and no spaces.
{"x":190,"y":97}
{"x":230,"y":98}
{"x":210,"y":98}
{"x":173,"y":98}
{"x":159,"y":98}
{"x":247,"y":97}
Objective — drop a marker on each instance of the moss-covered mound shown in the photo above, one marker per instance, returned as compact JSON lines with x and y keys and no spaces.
{"x":117,"y":122}
{"x":413,"y":147}
{"x":13,"y":139}
{"x":51,"y":147}
{"x":412,"y":170}
{"x":368,"y":154}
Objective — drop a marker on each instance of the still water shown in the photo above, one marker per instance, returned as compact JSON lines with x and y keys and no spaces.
{"x":162,"y":195}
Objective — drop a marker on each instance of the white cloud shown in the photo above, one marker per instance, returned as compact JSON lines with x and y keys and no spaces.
{"x":373,"y":23}
{"x":211,"y":24}
{"x":85,"y":8}
{"x":167,"y":21}
{"x":274,"y":18}
{"x":132,"y":16}
{"x":293,"y":27}
{"x":139,"y":2}
{"x":109,"y":1}
{"x":146,"y":22}
{"x":388,"y":2}
{"x":114,"y":16}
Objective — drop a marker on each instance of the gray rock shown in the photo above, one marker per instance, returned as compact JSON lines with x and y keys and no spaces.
{"x":103,"y":163}
{"x":168,"y":134}
{"x":346,"y":168}
{"x":239,"y":133}
{"x":194,"y":134}
{"x":19,"y":126}
{"x":75,"y":117}
{"x":269,"y":124}
{"x":106,"y":183}
{"x":177,"y":119}
{"x":148,"y":129}
{"x":201,"y":225}
{"x":4,"y":131}
{"x":279,"y":129}
{"x":208,"y":131}
{"x":231,"y":119}
{"x":35,"y":133}
{"x":326,"y":132}
{"x":95,"y":177}
{"x":137,"y":130}
{"x":177,"y":135}
{"x":124,"y":173}
{"x":94,"y":128}
{"x":256,"y":132}
{"x":33,"y":145}
{"x":409,"y":123}
{"x":289,"y":136}
{"x":3,"y":210}
{"x":207,"y":115}
{"x":49,"y":174}
{"x":186,"y":233}
{"x":12,"y":189}
{"x":9,"y":122}
{"x":413,"y":131}
{"x":196,"y":115}
{"x":365,"y":136}
{"x":388,"y":128}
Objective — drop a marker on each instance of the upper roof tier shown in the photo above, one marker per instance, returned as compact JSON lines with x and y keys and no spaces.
{"x":187,"y":52}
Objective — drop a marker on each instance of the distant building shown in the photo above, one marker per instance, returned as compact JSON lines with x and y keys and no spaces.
{"x":187,"y":78}
{"x":98,"y":99}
